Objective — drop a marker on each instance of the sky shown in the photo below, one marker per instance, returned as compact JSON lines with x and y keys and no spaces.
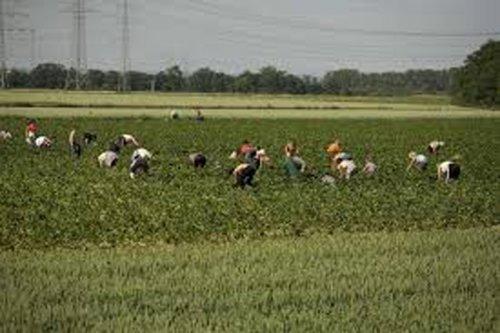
{"x":299,"y":36}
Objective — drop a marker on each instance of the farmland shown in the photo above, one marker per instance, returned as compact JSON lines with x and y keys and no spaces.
{"x":85,"y":248}
{"x":420,"y":281}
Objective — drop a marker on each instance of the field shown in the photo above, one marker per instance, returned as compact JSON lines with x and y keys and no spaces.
{"x":421,"y":281}
{"x":85,"y":248}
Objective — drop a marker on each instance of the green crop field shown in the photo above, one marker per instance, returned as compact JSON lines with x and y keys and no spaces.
{"x":443,"y":281}
{"x":82,"y":248}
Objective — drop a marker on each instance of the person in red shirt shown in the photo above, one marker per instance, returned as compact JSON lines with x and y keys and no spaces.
{"x":31,"y":130}
{"x":245,"y":148}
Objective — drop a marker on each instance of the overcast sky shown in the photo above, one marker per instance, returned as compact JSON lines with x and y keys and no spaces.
{"x":300,"y":36}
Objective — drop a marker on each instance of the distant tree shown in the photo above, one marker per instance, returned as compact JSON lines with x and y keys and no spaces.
{"x":95,"y":79}
{"x":201,"y":80}
{"x":172,"y":79}
{"x":139,"y":81}
{"x":246,"y":82}
{"x":271,"y":80}
{"x":17,"y":78}
{"x":48,"y":75}
{"x":478,"y":81}
{"x":111,"y":80}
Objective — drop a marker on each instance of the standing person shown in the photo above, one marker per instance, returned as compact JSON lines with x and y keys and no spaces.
{"x":434,"y":147}
{"x":417,"y":161}
{"x":293,"y":164}
{"x":199,"y":116}
{"x":448,"y":170}
{"x":31,"y":131}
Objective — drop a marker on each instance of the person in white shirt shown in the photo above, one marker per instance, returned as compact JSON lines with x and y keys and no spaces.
{"x":125,"y":140}
{"x":346,"y":168}
{"x":448,"y":171}
{"x":42,"y":142}
{"x":142,"y":153}
{"x":4,"y":136}
{"x":417,"y":161}
{"x":434,"y":147}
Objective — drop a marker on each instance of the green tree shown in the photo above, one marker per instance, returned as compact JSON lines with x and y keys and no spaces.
{"x":48,"y":75}
{"x":478,"y":81}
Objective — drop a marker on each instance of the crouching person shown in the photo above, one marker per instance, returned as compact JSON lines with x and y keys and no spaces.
{"x":42,"y":142}
{"x":448,"y":171}
{"x":109,"y":158}
{"x":346,"y":168}
{"x":294,"y":165}
{"x":139,"y":162}
{"x":244,"y":174}
{"x":198,"y":160}
{"x":417,"y":161}
{"x":138,"y":166}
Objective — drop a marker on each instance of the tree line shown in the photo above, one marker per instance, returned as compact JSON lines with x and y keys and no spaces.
{"x":267,"y":80}
{"x":475,"y":83}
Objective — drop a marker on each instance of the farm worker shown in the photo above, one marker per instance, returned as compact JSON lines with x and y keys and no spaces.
{"x":448,"y":171}
{"x":174,"y":114}
{"x":142,"y":153}
{"x":88,"y":138}
{"x":75,"y":147}
{"x":4,"y":136}
{"x":334,"y":148}
{"x":42,"y":142}
{"x":293,"y":165}
{"x":245,"y":172}
{"x":31,"y":130}
{"x":245,"y":148}
{"x":199,"y":116}
{"x":370,"y":167}
{"x":198,"y":160}
{"x":138,"y":166}
{"x":109,"y":158}
{"x":125,"y":140}
{"x":346,"y":168}
{"x":434,"y":147}
{"x":418,"y":161}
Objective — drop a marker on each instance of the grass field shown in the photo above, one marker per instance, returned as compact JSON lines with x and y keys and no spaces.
{"x":88,"y":249}
{"x":443,"y":281}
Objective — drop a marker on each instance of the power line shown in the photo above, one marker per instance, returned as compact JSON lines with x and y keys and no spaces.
{"x":125,"y":47}
{"x":235,"y":13}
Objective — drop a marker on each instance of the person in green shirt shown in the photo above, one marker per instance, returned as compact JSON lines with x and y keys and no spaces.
{"x":293,"y":164}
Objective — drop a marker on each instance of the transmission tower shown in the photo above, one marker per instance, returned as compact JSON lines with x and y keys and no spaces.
{"x":4,"y":13}
{"x":3,"y":53}
{"x":125,"y":47}
{"x":78,"y":53}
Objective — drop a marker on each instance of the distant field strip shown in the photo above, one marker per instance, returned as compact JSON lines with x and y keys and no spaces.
{"x":53,"y":98}
{"x":247,"y":113}
{"x":418,"y":281}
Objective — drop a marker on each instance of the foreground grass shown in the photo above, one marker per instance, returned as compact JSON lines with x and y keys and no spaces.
{"x":420,"y":281}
